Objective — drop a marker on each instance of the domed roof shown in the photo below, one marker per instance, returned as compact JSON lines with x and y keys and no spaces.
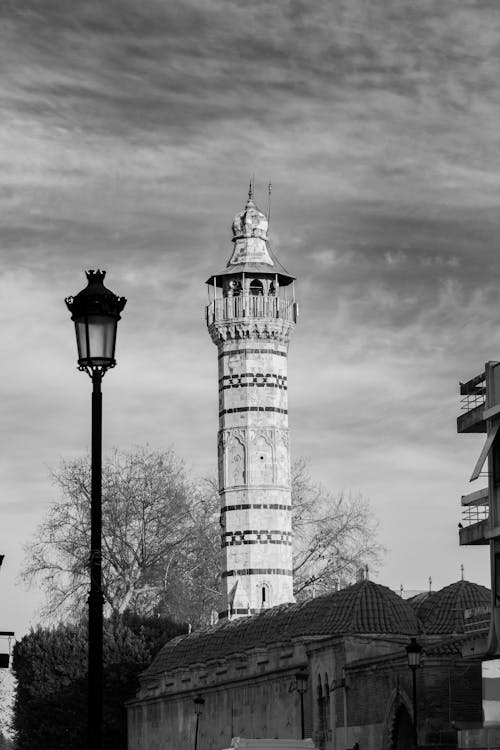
{"x":422,"y":603}
{"x":251,"y":222}
{"x":368,"y":607}
{"x":252,"y":253}
{"x":364,"y":608}
{"x":444,"y":612}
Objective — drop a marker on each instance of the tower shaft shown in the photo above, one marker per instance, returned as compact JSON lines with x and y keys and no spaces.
{"x":251,"y":323}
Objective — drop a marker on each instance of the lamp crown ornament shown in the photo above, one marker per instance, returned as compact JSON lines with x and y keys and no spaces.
{"x":95,"y":299}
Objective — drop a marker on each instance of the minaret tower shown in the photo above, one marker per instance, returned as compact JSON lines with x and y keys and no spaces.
{"x":250,"y":317}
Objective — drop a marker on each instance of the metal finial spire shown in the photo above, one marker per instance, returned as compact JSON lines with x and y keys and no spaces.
{"x":269,"y":188}
{"x":401,"y":590}
{"x":430,"y":584}
{"x":462,"y":571}
{"x":250,"y":189}
{"x":366,"y":572}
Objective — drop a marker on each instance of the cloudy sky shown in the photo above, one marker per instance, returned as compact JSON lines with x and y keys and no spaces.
{"x":128,"y":135}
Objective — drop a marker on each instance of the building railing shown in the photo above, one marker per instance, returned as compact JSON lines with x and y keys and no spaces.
{"x":474,"y":514}
{"x":473,"y":393}
{"x":251,"y":306}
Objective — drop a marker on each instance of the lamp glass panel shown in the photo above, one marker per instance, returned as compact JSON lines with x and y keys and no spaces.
{"x":96,"y":335}
{"x":413,"y":658}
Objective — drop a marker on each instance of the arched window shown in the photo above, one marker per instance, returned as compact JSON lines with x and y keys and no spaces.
{"x":256,"y":288}
{"x":326,"y":699}
{"x":323,"y":701}
{"x":264,"y":594}
{"x":321,"y":716}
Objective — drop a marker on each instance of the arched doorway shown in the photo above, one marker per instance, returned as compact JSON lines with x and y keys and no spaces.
{"x":402,"y":729}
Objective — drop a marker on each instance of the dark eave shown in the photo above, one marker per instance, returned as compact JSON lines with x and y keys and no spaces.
{"x":257,"y":269}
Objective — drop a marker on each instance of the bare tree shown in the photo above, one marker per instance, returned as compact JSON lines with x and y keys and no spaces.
{"x":334,"y":536}
{"x":161,"y":538}
{"x":193,"y":593}
{"x":147,"y":524}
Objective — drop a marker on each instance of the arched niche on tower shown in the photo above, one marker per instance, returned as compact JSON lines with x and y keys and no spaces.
{"x":261,"y":458}
{"x":282,"y":459}
{"x":220,"y":456}
{"x":235,"y":463}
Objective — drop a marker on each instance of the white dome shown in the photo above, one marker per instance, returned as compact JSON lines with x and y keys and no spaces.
{"x":250,"y":222}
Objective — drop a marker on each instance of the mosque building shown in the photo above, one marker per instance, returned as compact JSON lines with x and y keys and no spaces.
{"x":333,"y":668}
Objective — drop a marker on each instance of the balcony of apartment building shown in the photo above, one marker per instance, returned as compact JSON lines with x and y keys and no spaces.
{"x":473,"y":398}
{"x":475,"y":518}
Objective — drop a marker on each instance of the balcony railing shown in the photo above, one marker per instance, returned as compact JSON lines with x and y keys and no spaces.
{"x":474,"y":513}
{"x":473,"y":393}
{"x":472,"y":402}
{"x":251,"y":306}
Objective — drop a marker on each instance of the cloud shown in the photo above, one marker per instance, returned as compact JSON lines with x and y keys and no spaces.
{"x":129,"y":133}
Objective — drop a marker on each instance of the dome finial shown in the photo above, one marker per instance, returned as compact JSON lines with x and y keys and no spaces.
{"x":251,"y":188}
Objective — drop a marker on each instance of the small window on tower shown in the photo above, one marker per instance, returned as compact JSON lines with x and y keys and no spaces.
{"x":264,"y":593}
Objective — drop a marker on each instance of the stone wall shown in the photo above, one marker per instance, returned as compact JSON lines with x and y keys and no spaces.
{"x":253,"y":695}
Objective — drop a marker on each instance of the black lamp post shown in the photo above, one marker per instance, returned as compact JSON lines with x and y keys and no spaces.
{"x":413,"y":652}
{"x":96,"y":312}
{"x":199,"y":702}
{"x":301,"y":684}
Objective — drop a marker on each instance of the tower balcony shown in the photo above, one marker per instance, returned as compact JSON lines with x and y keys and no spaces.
{"x":244,"y":306}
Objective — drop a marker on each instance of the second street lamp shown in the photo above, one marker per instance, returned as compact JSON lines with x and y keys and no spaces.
{"x":95,"y":312}
{"x":413,"y":652}
{"x":199,"y":702}
{"x":301,"y":685}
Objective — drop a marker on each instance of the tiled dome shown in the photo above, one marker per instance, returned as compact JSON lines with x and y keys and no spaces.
{"x":444,"y":612}
{"x":368,"y":607}
{"x":422,"y":603}
{"x":365,"y":607}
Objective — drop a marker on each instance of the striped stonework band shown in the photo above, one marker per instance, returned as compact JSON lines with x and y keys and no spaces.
{"x":257,"y":572}
{"x":256,"y":506}
{"x":253,"y":380}
{"x":239,"y":611}
{"x":251,"y":351}
{"x":252,"y":408}
{"x":252,"y":536}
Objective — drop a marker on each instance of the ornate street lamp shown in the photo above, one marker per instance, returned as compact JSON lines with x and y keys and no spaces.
{"x":96,"y":312}
{"x":301,"y":679}
{"x":199,"y":702}
{"x":413,"y":652}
